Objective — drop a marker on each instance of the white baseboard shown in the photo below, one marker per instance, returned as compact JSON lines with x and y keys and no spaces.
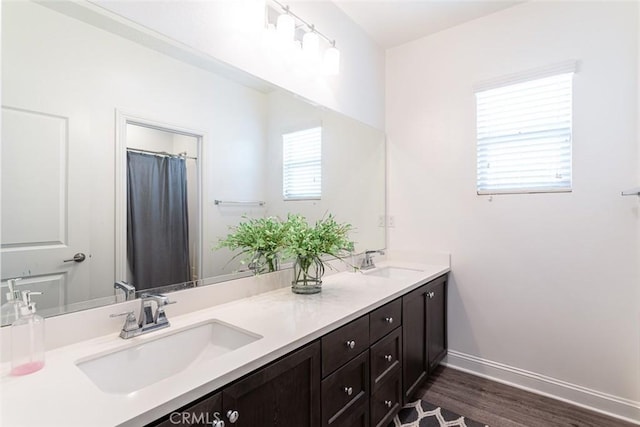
{"x":614,"y":406}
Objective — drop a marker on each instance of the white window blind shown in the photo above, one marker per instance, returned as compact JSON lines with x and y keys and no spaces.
{"x":302,"y":164}
{"x":524,"y":136}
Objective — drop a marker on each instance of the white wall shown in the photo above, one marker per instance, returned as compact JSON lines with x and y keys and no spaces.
{"x":545,"y":288}
{"x":232,"y":31}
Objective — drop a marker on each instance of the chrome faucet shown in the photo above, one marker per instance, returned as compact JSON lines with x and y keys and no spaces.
{"x":148,"y":320}
{"x":367,"y":261}
{"x":129,"y":290}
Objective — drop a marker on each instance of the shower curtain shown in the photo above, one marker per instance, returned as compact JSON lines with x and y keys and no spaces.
{"x":157,"y":220}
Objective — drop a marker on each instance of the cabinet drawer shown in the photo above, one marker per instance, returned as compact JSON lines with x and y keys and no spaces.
{"x":385,"y":403}
{"x":356,"y":416}
{"x":385,"y":319}
{"x":345,"y":389}
{"x":386,"y":355}
{"x":343,"y":344}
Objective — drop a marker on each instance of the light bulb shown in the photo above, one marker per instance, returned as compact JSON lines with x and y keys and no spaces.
{"x":285,"y":27}
{"x":332,"y":61}
{"x":310,"y":44}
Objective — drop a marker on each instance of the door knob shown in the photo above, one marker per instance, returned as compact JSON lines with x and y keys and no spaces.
{"x":79,"y":257}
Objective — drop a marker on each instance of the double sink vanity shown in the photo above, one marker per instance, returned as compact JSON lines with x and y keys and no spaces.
{"x":349,"y":356}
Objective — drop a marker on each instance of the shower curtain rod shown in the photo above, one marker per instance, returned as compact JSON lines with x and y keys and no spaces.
{"x":162,"y":153}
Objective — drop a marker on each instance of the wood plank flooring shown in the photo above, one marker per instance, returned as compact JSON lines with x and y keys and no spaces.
{"x":500,"y":405}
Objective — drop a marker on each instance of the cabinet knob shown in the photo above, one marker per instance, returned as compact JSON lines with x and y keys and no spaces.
{"x":388,"y":358}
{"x":233,"y":416}
{"x":431,"y":294}
{"x":217,"y":423}
{"x":389,"y":320}
{"x":351,"y":344}
{"x":348,"y":390}
{"x":388,"y":403}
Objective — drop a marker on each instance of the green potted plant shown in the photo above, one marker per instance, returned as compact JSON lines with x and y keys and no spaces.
{"x":260,"y":239}
{"x":307,"y":244}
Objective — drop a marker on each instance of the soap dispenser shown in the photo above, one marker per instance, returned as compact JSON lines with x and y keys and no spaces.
{"x":27,"y":338}
{"x":10,"y":310}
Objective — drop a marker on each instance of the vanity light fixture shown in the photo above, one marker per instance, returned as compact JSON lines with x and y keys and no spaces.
{"x":286,"y":26}
{"x":291,"y":29}
{"x":332,"y":60}
{"x":311,"y":43}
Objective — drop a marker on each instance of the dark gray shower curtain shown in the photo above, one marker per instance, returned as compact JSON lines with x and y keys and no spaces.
{"x":157,"y":220}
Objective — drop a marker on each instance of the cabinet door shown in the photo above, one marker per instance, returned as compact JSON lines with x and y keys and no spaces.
{"x":201,"y":413}
{"x":414,"y":341}
{"x":436,"y":322}
{"x":285,"y":393}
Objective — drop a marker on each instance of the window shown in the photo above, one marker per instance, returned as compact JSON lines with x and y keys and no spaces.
{"x":302,"y":164}
{"x":524,"y":134}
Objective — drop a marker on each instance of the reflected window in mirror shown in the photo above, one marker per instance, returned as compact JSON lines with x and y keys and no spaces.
{"x":302,"y":164}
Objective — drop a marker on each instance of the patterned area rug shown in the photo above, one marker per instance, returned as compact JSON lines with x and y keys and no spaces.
{"x":424,"y":414}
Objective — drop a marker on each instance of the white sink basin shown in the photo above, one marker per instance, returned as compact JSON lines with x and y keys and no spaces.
{"x":143,"y":364}
{"x":393,"y":272}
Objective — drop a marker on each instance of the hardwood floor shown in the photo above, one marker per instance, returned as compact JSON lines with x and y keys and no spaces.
{"x":499,"y":405}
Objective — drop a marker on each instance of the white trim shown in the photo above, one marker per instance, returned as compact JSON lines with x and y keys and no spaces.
{"x":604,"y":403}
{"x":122,"y":119}
{"x":570,"y":66}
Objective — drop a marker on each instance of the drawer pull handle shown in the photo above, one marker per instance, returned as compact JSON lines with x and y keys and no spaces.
{"x":388,"y":403}
{"x":351,"y":344}
{"x":389,"y":320}
{"x":348,"y":390}
{"x":388,"y":358}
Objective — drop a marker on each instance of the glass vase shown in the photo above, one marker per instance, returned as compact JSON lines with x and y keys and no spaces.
{"x":307,"y":275}
{"x":263,"y":262}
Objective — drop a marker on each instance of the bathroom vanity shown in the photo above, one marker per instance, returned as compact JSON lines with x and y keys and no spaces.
{"x":351,"y":355}
{"x":360,"y":374}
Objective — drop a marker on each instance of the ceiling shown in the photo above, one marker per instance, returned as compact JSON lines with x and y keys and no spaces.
{"x":394,"y":22}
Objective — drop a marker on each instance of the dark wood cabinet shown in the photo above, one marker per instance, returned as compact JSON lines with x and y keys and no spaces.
{"x":358,"y":375}
{"x":436,"y":323}
{"x":424,"y":334}
{"x":285,"y":393}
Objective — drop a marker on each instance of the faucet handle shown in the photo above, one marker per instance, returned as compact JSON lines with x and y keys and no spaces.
{"x":130,"y":322}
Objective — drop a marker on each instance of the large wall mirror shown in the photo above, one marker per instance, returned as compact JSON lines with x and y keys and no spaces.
{"x":81,"y":96}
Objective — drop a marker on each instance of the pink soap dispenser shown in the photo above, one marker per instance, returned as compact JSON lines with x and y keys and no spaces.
{"x":27,"y":338}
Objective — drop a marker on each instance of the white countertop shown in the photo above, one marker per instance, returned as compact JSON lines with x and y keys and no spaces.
{"x":62,"y":395}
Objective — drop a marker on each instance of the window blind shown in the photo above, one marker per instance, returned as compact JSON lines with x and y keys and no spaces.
{"x":524,"y":136}
{"x":302,"y":164}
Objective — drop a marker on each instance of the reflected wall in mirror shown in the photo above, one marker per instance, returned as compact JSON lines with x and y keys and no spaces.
{"x":68,"y":90}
